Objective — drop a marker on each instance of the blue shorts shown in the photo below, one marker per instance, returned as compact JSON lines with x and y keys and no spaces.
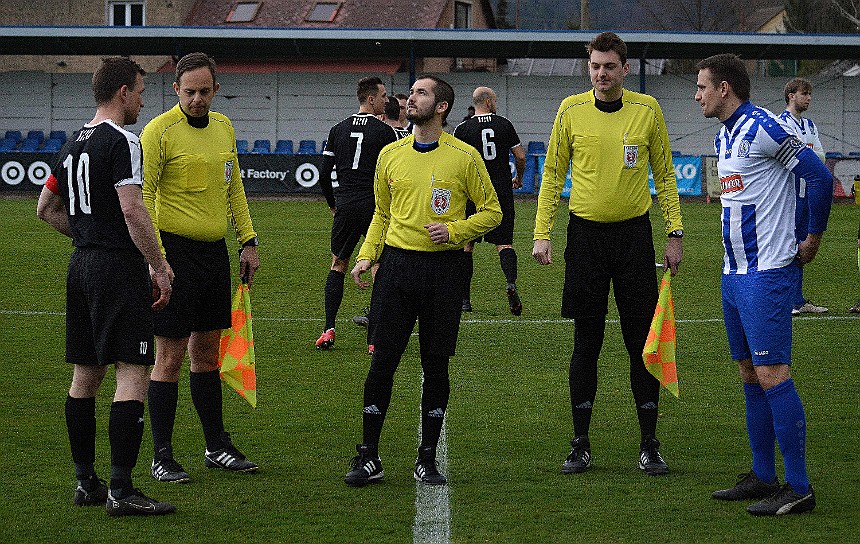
{"x":757,"y":314}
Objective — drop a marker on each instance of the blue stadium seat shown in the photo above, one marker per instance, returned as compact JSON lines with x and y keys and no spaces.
{"x":14,"y":135}
{"x":8,"y":144}
{"x":58,"y":135}
{"x":833,"y":155}
{"x":322,"y":145}
{"x":536,"y":148}
{"x":284,"y":147}
{"x":38,"y":135}
{"x":52,"y":145}
{"x":262,"y":146}
{"x":29,"y":145}
{"x":854,"y":153}
{"x":241,"y":146}
{"x":307,"y":147}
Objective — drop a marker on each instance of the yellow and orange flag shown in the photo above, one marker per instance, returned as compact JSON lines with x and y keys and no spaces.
{"x":659,"y":352}
{"x":236,"y":357}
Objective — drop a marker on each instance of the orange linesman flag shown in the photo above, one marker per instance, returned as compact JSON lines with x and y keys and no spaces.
{"x":659,"y":352}
{"x":236,"y":357}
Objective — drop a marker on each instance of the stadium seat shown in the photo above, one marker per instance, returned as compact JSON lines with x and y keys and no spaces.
{"x":38,"y":135}
{"x":536,"y":148}
{"x":29,"y":145}
{"x":322,"y":145}
{"x":284,"y":147}
{"x":262,"y":146}
{"x":14,"y":135}
{"x":241,"y":146}
{"x":854,"y":153}
{"x":52,"y":145}
{"x":58,"y":135}
{"x":307,"y":147}
{"x":833,"y":155}
{"x":8,"y":144}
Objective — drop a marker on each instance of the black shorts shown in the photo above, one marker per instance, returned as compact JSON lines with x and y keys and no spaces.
{"x":421,"y":285}
{"x":349,"y":225}
{"x":598,"y":253}
{"x":108,"y":308}
{"x":201,"y":296}
{"x":502,"y":235}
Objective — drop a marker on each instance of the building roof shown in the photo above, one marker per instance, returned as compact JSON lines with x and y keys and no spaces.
{"x":349,"y":14}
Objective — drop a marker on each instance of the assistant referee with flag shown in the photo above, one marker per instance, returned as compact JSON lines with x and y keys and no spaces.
{"x":612,"y":135}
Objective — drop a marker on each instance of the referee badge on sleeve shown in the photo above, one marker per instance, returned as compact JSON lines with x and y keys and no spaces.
{"x":440,"y":200}
{"x":631,"y":155}
{"x":228,"y":171}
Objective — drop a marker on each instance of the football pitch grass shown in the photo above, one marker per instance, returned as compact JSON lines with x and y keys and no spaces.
{"x":507,"y":427}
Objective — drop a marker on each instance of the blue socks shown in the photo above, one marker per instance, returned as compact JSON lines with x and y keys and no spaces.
{"x":789,"y":423}
{"x":761,"y":433}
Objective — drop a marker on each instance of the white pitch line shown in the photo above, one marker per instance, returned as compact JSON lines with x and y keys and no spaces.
{"x":432,"y":523}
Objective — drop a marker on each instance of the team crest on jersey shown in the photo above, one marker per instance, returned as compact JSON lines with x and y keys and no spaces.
{"x":440,"y":200}
{"x":228,"y":171}
{"x":631,"y":155}
{"x":744,"y":149}
{"x":731,"y":184}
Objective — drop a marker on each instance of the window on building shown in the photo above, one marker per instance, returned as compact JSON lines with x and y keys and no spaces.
{"x":323,"y":12}
{"x":126,"y":13}
{"x":243,"y":12}
{"x":462,"y":15}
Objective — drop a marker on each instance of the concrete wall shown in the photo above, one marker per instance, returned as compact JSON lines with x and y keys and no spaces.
{"x":305,"y":106}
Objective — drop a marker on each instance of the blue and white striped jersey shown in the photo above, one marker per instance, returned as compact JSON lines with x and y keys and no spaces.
{"x":805,"y":130}
{"x":755,"y":157}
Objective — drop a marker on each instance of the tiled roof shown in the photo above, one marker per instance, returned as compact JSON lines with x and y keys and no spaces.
{"x":351,"y":14}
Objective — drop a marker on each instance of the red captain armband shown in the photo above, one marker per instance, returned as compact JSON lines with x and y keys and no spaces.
{"x":52,"y":184}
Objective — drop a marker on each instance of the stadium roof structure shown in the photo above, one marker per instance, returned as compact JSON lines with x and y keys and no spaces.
{"x":305,"y":43}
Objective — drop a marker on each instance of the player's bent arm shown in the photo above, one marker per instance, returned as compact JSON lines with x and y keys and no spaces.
{"x":519,"y":164}
{"x":140,"y":225}
{"x":819,"y":188}
{"x":52,"y":211}
{"x":325,"y":179}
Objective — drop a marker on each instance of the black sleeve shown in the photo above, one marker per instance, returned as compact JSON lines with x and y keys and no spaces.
{"x":325,"y":179}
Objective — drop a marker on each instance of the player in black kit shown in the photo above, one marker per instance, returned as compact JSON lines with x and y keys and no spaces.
{"x":352,"y":147}
{"x":94,"y":196}
{"x":493,"y":135}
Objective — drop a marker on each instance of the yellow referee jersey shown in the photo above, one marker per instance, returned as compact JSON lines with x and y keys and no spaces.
{"x":191,"y":178}
{"x":413,"y":189}
{"x":608,"y":155}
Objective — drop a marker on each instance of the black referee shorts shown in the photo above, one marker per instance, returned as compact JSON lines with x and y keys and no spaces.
{"x":108,"y":308}
{"x":349,"y":225}
{"x":201,"y":295}
{"x":422,"y":285}
{"x":599,"y":253}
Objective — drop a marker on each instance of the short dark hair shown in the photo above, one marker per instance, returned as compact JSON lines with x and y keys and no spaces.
{"x":730,"y":68}
{"x":796,"y":85}
{"x":193,"y":61}
{"x":608,"y":41}
{"x":113,"y":73}
{"x":367,"y":86}
{"x":392,"y":109}
{"x":442,"y":91}
{"x":401,"y":96}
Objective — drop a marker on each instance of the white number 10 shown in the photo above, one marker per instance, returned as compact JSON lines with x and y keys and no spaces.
{"x":83,"y":176}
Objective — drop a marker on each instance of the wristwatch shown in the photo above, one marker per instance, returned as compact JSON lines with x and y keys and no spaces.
{"x":676,"y":234}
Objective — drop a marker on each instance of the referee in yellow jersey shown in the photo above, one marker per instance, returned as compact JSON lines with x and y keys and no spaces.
{"x":418,"y":231}
{"x":191,"y":187}
{"x":611,"y":135}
